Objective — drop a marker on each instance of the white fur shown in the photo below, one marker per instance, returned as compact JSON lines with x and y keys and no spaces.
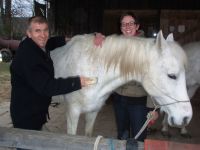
{"x":119,"y":61}
{"x":193,"y":69}
{"x":192,"y":76}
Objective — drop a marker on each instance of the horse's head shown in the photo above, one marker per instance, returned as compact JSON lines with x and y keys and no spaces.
{"x":165,"y":80}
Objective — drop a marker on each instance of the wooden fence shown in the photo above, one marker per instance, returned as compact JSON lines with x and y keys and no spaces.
{"x":40,"y":140}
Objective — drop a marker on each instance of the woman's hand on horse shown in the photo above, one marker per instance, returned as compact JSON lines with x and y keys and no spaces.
{"x":86,"y":81}
{"x":98,"y":39}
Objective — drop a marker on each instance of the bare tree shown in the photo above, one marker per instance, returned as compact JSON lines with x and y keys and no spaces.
{"x":22,"y":8}
{"x":10,"y":9}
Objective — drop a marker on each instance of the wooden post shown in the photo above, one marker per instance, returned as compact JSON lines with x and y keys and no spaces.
{"x":40,"y":140}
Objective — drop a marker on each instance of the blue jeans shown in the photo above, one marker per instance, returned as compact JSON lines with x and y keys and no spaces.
{"x":130,"y":115}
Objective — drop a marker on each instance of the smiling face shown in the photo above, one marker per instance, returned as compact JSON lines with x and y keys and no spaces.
{"x":129,"y":26}
{"x":39,"y":33}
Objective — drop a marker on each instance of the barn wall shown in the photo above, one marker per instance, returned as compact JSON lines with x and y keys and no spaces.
{"x":73,"y":17}
{"x":183,"y":23}
{"x":85,"y":16}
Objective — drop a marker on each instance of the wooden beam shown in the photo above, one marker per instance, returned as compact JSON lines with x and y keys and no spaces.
{"x":40,"y":140}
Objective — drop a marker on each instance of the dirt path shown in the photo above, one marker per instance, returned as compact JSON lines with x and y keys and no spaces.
{"x":105,"y":124}
{"x":4,"y":88}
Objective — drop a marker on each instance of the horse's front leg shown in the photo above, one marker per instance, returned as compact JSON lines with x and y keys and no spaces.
{"x":165,"y":127}
{"x":90,"y":118}
{"x":185,"y":133}
{"x":72,"y":115}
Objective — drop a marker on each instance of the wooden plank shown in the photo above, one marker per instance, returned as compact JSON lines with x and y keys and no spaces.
{"x":40,"y":140}
{"x":12,"y":138}
{"x":169,"y":145}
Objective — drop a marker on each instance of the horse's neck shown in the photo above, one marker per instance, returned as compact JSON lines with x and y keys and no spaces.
{"x":123,"y":62}
{"x":130,"y":57}
{"x":112,"y":79}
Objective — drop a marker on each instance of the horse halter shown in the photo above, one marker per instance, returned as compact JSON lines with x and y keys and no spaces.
{"x":171,"y":103}
{"x":150,"y":114}
{"x":156,"y":106}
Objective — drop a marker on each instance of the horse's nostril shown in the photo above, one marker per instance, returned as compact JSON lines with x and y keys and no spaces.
{"x":185,"y":122}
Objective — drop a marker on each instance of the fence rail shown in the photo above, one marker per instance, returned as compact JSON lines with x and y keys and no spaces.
{"x":41,"y":140}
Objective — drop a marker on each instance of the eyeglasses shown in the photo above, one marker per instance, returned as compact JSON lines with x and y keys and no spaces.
{"x":123,"y":24}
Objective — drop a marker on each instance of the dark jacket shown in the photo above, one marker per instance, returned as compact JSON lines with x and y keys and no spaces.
{"x":33,"y":84}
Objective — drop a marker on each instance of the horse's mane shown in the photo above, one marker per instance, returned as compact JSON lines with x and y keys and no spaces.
{"x":130,"y":54}
{"x":127,"y":53}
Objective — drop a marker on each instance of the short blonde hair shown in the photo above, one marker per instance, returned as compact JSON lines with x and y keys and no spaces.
{"x":36,"y":19}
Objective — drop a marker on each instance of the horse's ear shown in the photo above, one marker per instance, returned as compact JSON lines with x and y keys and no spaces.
{"x":160,"y":41}
{"x":170,"y":37}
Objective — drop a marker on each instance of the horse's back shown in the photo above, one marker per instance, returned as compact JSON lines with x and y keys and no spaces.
{"x":192,"y":75}
{"x":192,"y":49}
{"x":70,"y":59}
{"x":193,"y":54}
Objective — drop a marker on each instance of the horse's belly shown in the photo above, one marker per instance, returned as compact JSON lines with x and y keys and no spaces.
{"x":85,"y":102}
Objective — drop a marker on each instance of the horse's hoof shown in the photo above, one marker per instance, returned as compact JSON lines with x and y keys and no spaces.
{"x":166,"y":134}
{"x":186,"y":135}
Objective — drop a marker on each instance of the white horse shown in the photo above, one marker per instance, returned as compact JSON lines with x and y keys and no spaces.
{"x":158,"y":64}
{"x":192,"y":80}
{"x":193,"y":70}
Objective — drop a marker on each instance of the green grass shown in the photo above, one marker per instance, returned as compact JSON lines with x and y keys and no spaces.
{"x":4,"y":71}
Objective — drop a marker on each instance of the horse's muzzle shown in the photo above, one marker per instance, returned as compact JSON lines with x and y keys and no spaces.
{"x":184,"y":123}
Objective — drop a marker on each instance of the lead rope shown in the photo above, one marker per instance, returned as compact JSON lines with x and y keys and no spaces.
{"x":96,"y":143}
{"x":150,"y":114}
{"x":149,"y":118}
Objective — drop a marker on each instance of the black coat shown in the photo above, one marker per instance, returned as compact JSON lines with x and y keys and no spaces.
{"x":33,"y":84}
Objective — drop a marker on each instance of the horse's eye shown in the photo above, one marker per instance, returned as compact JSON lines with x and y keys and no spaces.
{"x":172,"y":76}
